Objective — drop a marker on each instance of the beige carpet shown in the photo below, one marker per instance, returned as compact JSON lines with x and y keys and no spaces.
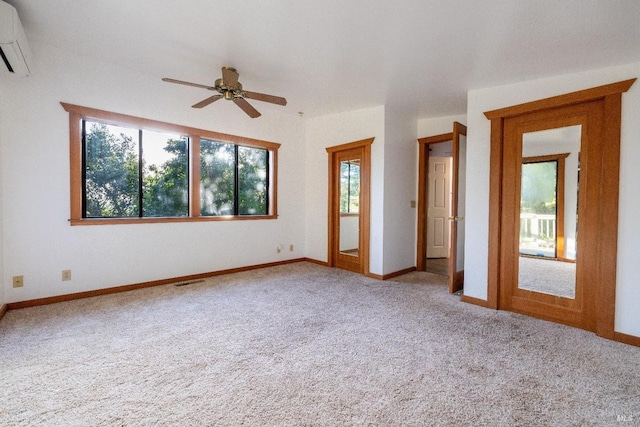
{"x":547,"y":276}
{"x":304,"y":345}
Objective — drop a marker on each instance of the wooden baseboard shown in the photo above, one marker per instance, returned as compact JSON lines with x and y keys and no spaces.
{"x":390,"y":275}
{"x":133,"y":287}
{"x":315,"y":261}
{"x":474,"y":301}
{"x":3,"y":310}
{"x":626,"y":339}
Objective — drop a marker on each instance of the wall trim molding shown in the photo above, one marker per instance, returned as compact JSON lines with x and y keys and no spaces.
{"x":390,"y":275}
{"x":3,"y":310}
{"x":135,"y":286}
{"x":316,"y":261}
{"x":626,"y":339}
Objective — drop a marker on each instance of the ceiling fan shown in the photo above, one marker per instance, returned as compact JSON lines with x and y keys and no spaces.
{"x":229,"y":88}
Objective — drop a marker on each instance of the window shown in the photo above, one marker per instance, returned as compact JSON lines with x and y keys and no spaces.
{"x":538,"y":214}
{"x":233,"y":179}
{"x":133,"y":173}
{"x":350,"y":187}
{"x":130,"y":170}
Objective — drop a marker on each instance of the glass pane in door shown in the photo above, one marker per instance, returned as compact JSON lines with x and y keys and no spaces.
{"x":350,"y":207}
{"x":548,"y":211}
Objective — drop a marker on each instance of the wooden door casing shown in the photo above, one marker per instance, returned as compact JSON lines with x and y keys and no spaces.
{"x":602,"y":199}
{"x":362,"y":150}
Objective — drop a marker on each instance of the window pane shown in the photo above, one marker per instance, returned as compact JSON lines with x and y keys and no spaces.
{"x":350,"y":186}
{"x":165,"y":185}
{"x":539,"y":187}
{"x":252,"y":181}
{"x":538,"y":219}
{"x":217,"y":178}
{"x":111,"y":168}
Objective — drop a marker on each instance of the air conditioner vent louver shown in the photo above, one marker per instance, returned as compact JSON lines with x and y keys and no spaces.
{"x":14,"y":48}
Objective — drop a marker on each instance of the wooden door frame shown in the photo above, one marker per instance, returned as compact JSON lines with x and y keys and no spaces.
{"x":456,"y":278}
{"x":610,"y":97}
{"x":423,"y":197}
{"x":560,"y":174}
{"x":333,"y":245}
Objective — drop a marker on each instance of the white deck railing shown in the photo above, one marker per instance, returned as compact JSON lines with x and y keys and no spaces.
{"x":537,"y":230}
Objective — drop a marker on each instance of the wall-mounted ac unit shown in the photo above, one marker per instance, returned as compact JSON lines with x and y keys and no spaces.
{"x":14,"y":49}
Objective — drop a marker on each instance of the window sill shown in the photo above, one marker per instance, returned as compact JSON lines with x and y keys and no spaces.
{"x":158,"y":220}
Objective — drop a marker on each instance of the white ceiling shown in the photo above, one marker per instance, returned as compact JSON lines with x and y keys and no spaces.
{"x":420,"y":56}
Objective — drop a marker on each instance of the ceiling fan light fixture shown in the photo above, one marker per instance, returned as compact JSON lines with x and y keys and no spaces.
{"x":229,"y":88}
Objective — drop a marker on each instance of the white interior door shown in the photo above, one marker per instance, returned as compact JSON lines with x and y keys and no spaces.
{"x":439,"y":207}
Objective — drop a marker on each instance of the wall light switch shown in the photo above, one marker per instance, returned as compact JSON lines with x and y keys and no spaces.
{"x":66,"y":275}
{"x":18,"y":281}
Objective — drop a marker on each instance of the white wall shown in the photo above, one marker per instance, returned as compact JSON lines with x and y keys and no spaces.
{"x":627,"y":319}
{"x":38,"y":240}
{"x":328,"y":131}
{"x":438,"y":125}
{"x":400,"y":179}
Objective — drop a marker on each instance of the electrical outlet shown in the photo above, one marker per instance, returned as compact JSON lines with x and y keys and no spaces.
{"x":18,"y":281}
{"x":66,"y":275}
{"x":279,"y":248}
{"x":290,"y":248}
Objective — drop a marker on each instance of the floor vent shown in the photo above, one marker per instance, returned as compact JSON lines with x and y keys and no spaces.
{"x":188,"y":283}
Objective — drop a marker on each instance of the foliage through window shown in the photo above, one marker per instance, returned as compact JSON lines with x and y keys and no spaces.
{"x":233,"y":179}
{"x":350,"y":187}
{"x":123,"y":171}
{"x":539,"y":185}
{"x":134,"y":173}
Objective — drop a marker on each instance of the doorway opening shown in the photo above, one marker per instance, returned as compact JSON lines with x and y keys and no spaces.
{"x":349,"y":177}
{"x":441,"y":205}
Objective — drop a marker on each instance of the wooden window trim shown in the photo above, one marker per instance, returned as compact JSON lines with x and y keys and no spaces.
{"x":78,"y":113}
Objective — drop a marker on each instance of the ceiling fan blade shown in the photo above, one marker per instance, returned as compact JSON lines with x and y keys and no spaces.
{"x":180,"y":82}
{"x":265,"y":98}
{"x":207,"y":101}
{"x":229,"y":76}
{"x":246,"y":107}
